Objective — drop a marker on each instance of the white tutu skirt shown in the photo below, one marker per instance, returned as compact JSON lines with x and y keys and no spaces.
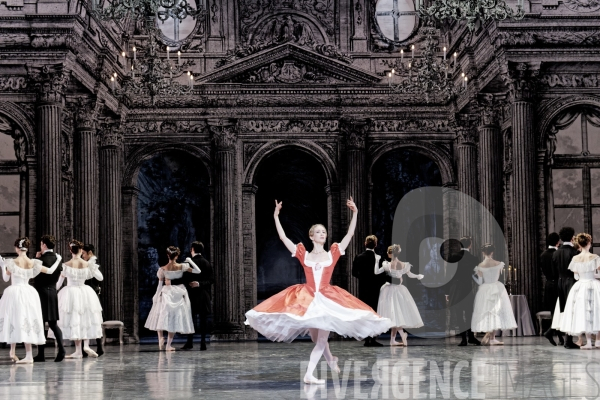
{"x":582,"y":309}
{"x":21,"y":316}
{"x":492,"y":309}
{"x":322,"y":313}
{"x":80,"y":313}
{"x":396,"y":303}
{"x":557,"y":317}
{"x":171,"y":311}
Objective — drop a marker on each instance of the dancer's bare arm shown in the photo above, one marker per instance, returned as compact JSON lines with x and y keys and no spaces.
{"x":346,"y":240}
{"x":287,"y":242}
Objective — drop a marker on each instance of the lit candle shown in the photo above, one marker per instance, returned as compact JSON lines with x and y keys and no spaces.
{"x":444,"y":53}
{"x":514,"y":269}
{"x":389,"y":79}
{"x":132,"y":72}
{"x":167,"y":53}
{"x":112,"y":83}
{"x":191,"y":81}
{"x":465,"y":81}
{"x":179,"y":57}
{"x":412,"y":51}
{"x":401,"y":56}
{"x":134,"y":50}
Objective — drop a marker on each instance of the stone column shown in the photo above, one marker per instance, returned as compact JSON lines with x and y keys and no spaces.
{"x":491,"y":170}
{"x":131,"y":308}
{"x":355,"y":133}
{"x":86,"y":172}
{"x":110,"y":254}
{"x":51,"y":84}
{"x":467,"y":183}
{"x":249,"y":251}
{"x":226,"y":264}
{"x":32,"y":184}
{"x":525,"y":249}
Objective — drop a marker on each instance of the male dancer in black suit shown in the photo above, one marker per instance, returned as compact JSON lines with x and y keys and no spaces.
{"x":551,"y":286}
{"x":45,"y":284}
{"x":369,"y":284}
{"x":87,"y":254}
{"x":461,"y":292}
{"x":566,"y":279}
{"x":198,"y":288}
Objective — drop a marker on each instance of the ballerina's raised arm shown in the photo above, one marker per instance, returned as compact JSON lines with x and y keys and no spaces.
{"x":288,"y":243}
{"x":346,"y":240}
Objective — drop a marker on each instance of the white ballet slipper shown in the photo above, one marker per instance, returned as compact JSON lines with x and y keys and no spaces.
{"x":311,"y":380}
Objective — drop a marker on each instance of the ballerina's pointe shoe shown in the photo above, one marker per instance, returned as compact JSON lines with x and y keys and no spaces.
{"x":404,"y":335}
{"x":161,"y":344}
{"x":334,"y":365}
{"x":74,"y":356}
{"x":394,"y":343}
{"x":311,"y":380}
{"x":170,"y":348}
{"x":25,"y":361}
{"x":90,"y":352}
{"x":495,"y":342}
{"x":14,"y":358}
{"x":588,"y":346}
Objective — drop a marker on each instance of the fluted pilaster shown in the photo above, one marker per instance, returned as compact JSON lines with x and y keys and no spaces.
{"x":524,"y":182}
{"x":467,"y":183}
{"x":491,"y":170}
{"x":109,"y":247}
{"x":86,"y":173}
{"x":355,"y":133}
{"x":228,"y":301}
{"x":49,"y":167}
{"x":131,"y":300}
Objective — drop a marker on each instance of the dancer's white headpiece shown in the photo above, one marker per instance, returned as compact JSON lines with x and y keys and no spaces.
{"x":21,"y":245}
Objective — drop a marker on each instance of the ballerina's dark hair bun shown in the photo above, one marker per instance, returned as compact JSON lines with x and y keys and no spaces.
{"x":488,"y":249}
{"x":22,"y":243}
{"x":173,"y":252}
{"x":583,"y":239}
{"x":75,"y":246}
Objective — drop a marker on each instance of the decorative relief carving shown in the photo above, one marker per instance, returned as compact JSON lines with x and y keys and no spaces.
{"x":522,"y":80}
{"x":223,"y":134}
{"x":253,"y":11}
{"x":51,"y":84}
{"x":86,"y":112}
{"x":488,"y":108}
{"x":551,"y":144}
{"x":516,"y":38}
{"x":250,"y":149}
{"x":583,"y":6}
{"x":286,"y":71}
{"x":508,"y":151}
{"x":66,"y":146}
{"x":355,"y":132}
{"x":11,"y":129}
{"x":167,"y":127}
{"x":12,"y":83}
{"x":259,"y":126}
{"x":411,"y":125}
{"x":570,"y":80}
{"x":111,"y":134}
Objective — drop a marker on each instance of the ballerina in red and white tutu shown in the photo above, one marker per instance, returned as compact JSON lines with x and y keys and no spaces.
{"x":316,"y":307}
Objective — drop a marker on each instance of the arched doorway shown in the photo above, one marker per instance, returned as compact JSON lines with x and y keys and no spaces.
{"x":394,"y":174}
{"x":298,"y":179}
{"x":173,"y":208}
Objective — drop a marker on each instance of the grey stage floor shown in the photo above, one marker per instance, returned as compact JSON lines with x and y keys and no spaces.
{"x":428,"y":368}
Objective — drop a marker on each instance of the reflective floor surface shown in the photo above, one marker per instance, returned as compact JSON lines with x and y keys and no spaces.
{"x":428,"y":368}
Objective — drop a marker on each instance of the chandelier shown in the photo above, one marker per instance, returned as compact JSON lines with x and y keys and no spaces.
{"x":151,"y":74}
{"x":428,"y":75}
{"x":471,"y":10}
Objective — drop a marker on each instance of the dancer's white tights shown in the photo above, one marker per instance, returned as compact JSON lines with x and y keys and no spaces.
{"x":314,"y":334}
{"x":320,"y":348}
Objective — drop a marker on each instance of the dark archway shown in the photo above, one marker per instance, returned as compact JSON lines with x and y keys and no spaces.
{"x":395,"y":174}
{"x":173,"y":209}
{"x":298,"y":179}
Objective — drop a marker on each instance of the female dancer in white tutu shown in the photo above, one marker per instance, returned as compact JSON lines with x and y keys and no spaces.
{"x":20,"y":309}
{"x":78,"y":305}
{"x":171,"y":308}
{"x":492,"y":309}
{"x":582,"y":311}
{"x":316,"y":307}
{"x":395,"y":301}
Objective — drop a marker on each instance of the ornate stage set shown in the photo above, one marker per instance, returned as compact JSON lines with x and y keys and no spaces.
{"x":505,"y":109}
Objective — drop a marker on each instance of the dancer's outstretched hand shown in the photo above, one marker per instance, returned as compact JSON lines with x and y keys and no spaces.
{"x":351,"y":205}
{"x":277,"y":207}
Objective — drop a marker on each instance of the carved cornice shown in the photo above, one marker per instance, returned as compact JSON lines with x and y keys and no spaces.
{"x":50,"y":82}
{"x":411,"y":125}
{"x":355,"y":132}
{"x":522,"y":80}
{"x":570,"y":80}
{"x":561,"y":36}
{"x":287,"y":125}
{"x":223,"y":134}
